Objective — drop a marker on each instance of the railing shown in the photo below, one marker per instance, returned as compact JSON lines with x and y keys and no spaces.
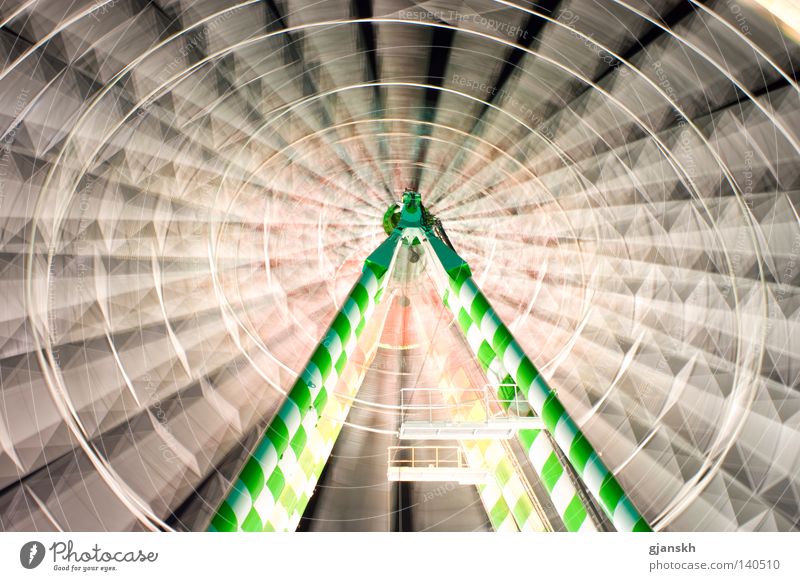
{"x":428,"y":404}
{"x":427,"y":457}
{"x":461,"y":414}
{"x":432,"y":464}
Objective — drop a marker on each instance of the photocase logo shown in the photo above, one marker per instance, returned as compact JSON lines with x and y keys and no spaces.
{"x":31,"y":554}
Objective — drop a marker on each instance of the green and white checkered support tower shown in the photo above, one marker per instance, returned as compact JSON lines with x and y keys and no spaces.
{"x":565,"y":497}
{"x":502,"y":357}
{"x":251,"y":503}
{"x":545,"y":403}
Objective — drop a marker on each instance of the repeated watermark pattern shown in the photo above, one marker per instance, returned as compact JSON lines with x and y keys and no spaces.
{"x":739,"y":16}
{"x":570,"y":19}
{"x":169,"y":441}
{"x":434,"y":14}
{"x":192,"y":43}
{"x":8,"y":140}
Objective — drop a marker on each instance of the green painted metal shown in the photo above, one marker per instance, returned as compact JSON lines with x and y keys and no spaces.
{"x":587,"y":463}
{"x":311,"y":461}
{"x":252,"y":499}
{"x":565,"y":497}
{"x":507,"y":365}
{"x":391,"y":218}
{"x":562,"y":492}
